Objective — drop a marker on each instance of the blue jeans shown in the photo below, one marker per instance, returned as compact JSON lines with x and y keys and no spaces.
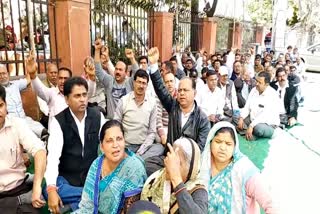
{"x":69,"y":194}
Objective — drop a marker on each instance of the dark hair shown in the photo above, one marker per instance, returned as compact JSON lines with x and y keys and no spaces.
{"x":169,"y":66}
{"x":71,"y":82}
{"x":258,"y":56}
{"x":141,"y":73}
{"x":236,"y":62}
{"x":210,"y":73}
{"x":278,"y":63}
{"x":174,"y":58}
{"x":143,"y":57}
{"x":204,"y":70}
{"x":292,"y":67}
{"x":217,"y":61}
{"x":266,"y":75}
{"x":109,"y":124}
{"x":193,"y":82}
{"x":272,"y":51}
{"x":289,"y":47}
{"x":193,"y":73}
{"x":227,"y":130}
{"x":3,"y":93}
{"x":65,"y":69}
{"x":280,"y":70}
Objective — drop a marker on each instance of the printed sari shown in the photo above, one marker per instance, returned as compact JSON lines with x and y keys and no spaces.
{"x":227,"y":189}
{"x":108,"y":194}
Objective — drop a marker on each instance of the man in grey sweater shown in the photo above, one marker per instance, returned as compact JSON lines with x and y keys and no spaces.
{"x":118,"y":85}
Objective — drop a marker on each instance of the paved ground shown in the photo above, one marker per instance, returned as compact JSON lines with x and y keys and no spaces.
{"x":292,"y":167}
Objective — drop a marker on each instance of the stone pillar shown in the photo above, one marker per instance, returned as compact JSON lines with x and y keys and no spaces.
{"x":259,"y":35}
{"x":235,"y":35}
{"x":72,"y":24}
{"x":162,"y":31}
{"x":209,"y":34}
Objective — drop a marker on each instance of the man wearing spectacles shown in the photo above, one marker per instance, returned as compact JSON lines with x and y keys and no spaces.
{"x":288,"y":96}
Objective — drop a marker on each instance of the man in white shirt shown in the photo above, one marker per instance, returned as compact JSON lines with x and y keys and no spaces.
{"x":20,"y":192}
{"x":72,"y":147}
{"x":260,"y":115}
{"x":211,"y":100}
{"x":54,"y":96}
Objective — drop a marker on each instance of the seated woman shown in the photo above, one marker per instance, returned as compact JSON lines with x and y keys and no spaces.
{"x":176,"y":188}
{"x":234,"y":183}
{"x":113,"y":176}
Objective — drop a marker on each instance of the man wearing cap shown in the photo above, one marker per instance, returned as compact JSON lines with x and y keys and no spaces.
{"x":229,"y":94}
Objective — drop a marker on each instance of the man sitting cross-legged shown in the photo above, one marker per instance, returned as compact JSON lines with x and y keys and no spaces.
{"x":72,"y":147}
{"x":260,"y":115}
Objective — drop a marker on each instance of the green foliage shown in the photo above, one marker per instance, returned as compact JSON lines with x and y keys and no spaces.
{"x":294,"y":19}
{"x":260,"y":11}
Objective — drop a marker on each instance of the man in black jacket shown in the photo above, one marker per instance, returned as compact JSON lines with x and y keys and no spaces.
{"x":72,"y":147}
{"x":288,"y":95}
{"x":185,"y":117}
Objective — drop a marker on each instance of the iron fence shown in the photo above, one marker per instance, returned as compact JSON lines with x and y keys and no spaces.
{"x":122,"y":24}
{"x":15,"y":37}
{"x":188,"y":29}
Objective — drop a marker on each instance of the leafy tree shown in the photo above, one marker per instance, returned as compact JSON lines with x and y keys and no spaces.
{"x":260,"y":11}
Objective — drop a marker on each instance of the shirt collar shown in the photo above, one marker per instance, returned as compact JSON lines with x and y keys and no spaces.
{"x":286,"y":86}
{"x":145,"y":96}
{"x":188,"y":114}
{"x":7,"y":123}
{"x":75,"y":118}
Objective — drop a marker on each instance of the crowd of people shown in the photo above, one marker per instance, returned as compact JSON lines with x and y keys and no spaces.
{"x":151,"y":136}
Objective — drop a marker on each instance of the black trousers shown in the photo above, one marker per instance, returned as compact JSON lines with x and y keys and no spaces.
{"x":10,"y":203}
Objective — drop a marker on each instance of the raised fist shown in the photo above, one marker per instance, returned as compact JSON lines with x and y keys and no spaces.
{"x":105,"y":52}
{"x":153,"y":55}
{"x":30,"y":63}
{"x":129,"y":53}
{"x":98,"y":44}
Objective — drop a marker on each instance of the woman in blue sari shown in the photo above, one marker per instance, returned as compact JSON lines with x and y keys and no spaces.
{"x":233,"y":181}
{"x":113,"y":177}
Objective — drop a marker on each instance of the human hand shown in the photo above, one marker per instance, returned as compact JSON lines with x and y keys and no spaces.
{"x":90,"y":70}
{"x":98,"y":44}
{"x":163,"y":139}
{"x":129,"y":53}
{"x":178,"y":48}
{"x":37,"y":202}
{"x":172,"y":166}
{"x":212,"y":118}
{"x":105,"y":52}
{"x":153,"y":55}
{"x":31,"y":65}
{"x":54,"y":202}
{"x":240,"y":123}
{"x":292,"y":121}
{"x":249,"y":135}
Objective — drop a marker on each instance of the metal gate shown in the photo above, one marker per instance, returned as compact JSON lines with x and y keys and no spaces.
{"x":187,"y":29}
{"x":122,"y":24}
{"x":15,"y":38}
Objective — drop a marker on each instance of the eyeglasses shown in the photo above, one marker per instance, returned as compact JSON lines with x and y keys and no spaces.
{"x":3,"y":74}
